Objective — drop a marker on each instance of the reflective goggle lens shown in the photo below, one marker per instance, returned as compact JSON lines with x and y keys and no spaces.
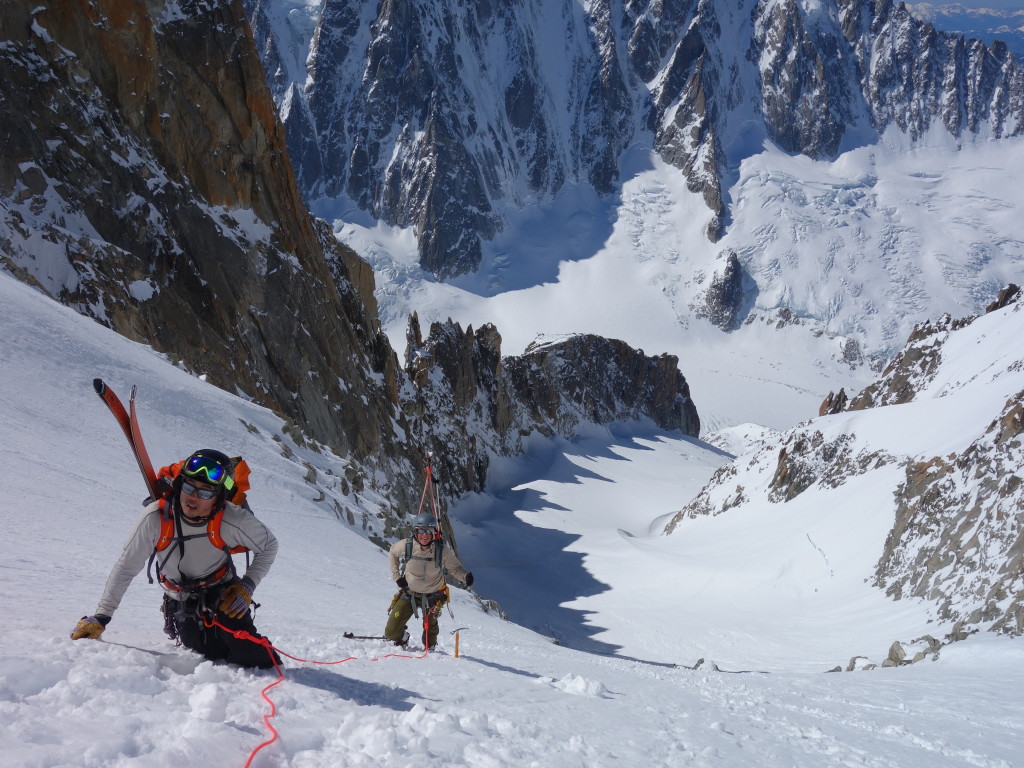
{"x":202,"y":493}
{"x":418,"y":531}
{"x":215,"y":473}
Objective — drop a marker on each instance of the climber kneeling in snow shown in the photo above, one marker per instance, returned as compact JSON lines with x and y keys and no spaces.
{"x":419,"y":565}
{"x":189,"y":536}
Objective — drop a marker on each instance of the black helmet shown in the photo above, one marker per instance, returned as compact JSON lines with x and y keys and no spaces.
{"x":210,"y":466}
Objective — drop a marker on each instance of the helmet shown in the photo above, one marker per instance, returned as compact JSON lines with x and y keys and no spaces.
{"x":424,"y":520}
{"x":209,"y":466}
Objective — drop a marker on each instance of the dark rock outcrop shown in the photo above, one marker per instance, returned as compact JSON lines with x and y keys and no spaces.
{"x":834,"y":403}
{"x":726,"y":297}
{"x":470,"y":401}
{"x":912,"y":368}
{"x":1006,"y":297}
{"x":958,"y":539}
{"x":587,"y":378}
{"x":146,"y":183}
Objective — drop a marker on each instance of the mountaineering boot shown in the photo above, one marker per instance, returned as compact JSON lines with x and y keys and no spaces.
{"x":403,"y":640}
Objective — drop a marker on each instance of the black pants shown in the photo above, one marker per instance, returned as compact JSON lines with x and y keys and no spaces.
{"x":212,"y":641}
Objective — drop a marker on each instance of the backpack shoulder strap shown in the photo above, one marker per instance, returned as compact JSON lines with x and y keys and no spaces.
{"x":213,"y":531}
{"x":164,"y":540}
{"x":166,"y":528}
{"x":407,"y":558}
{"x":438,"y":555}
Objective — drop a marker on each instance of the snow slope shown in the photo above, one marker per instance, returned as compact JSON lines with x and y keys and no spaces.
{"x":577,"y":526}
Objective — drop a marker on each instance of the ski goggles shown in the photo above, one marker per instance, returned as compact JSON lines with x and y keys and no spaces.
{"x":215,"y":472}
{"x":202,"y":493}
{"x":421,"y":531}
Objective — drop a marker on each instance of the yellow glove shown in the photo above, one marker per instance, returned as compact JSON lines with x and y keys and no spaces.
{"x":235,"y":599}
{"x":90,"y":627}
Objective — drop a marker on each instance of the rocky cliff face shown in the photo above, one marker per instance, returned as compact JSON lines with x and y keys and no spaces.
{"x":525,"y":98}
{"x":958,"y":539}
{"x":145,"y":182}
{"x":728,"y":295}
{"x":957,"y":495}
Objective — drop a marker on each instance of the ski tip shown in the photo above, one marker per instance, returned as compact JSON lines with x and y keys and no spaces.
{"x":99,"y":386}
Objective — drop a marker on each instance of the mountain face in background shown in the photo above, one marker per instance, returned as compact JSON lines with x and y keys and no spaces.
{"x":145,"y":182}
{"x":444,"y":118}
{"x":938,"y":441}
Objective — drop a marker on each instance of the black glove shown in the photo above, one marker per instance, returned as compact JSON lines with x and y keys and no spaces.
{"x":402,"y":582}
{"x":469,"y":580}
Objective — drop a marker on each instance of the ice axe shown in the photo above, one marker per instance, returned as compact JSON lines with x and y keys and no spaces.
{"x":456,"y":633}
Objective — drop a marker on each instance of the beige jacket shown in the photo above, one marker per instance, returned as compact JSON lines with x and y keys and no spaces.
{"x":421,"y":571}
{"x":238,"y":527}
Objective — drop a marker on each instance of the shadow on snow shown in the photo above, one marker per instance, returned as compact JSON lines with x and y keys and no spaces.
{"x":528,"y":569}
{"x":357,"y":691}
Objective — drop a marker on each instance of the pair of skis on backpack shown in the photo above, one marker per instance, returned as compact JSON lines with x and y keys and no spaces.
{"x":159,"y":485}
{"x":130,"y":426}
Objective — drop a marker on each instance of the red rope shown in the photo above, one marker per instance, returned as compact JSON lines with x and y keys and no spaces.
{"x":241,"y":634}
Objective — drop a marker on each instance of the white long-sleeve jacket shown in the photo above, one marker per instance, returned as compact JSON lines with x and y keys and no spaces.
{"x":239,"y":527}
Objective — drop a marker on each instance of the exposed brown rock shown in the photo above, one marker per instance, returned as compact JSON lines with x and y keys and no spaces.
{"x":834,"y":403}
{"x":1007,"y":296}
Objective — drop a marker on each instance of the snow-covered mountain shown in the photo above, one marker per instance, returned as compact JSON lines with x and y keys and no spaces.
{"x":572,"y":528}
{"x":933,"y":450}
{"x":144,"y":181}
{"x":526,"y":99}
{"x":877,"y":532}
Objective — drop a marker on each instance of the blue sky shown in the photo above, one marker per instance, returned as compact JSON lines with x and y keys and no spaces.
{"x":1006,"y":5}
